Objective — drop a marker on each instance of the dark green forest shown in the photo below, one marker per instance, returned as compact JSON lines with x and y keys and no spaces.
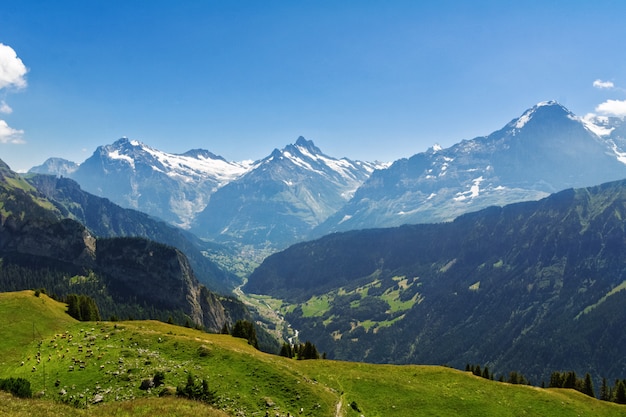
{"x":536,"y":286}
{"x":19,"y":273}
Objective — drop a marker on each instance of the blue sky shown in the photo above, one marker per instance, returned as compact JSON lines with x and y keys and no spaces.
{"x":369,"y":80}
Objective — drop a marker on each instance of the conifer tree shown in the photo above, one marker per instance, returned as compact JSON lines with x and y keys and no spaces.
{"x":605,"y":391}
{"x":588,"y":386}
{"x":570,"y":380}
{"x":245,"y":330}
{"x":309,"y":351}
{"x":286,"y":350}
{"x":620,"y":392}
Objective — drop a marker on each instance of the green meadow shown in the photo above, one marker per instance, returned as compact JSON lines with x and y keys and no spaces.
{"x":98,"y":368}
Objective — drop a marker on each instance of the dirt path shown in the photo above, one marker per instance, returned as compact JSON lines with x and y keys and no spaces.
{"x":338,"y":410}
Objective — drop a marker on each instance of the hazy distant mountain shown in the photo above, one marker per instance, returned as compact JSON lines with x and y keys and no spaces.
{"x":169,"y":186}
{"x":547,"y":149}
{"x":282,"y":198}
{"x":533,"y":287}
{"x":55,"y":166}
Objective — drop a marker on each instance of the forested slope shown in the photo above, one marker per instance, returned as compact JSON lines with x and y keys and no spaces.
{"x":534,"y":287}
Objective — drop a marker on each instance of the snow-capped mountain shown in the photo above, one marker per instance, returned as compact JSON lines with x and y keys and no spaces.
{"x":299,"y":192}
{"x":272,"y":202}
{"x":283,"y":197}
{"x":169,"y":186}
{"x":546,"y":149}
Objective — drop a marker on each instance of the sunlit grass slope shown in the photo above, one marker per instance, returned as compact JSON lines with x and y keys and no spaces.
{"x":99,"y":367}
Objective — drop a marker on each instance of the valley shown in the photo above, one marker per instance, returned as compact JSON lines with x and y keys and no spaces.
{"x":504,"y":250}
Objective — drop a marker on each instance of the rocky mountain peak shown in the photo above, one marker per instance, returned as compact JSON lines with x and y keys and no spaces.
{"x":307,"y":145}
{"x":540,"y":113}
{"x":202,"y":153}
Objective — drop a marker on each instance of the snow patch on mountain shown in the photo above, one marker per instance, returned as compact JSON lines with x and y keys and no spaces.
{"x":597,"y":124}
{"x":199,"y":167}
{"x":345,"y":218}
{"x":621,"y":156}
{"x":527,"y":116}
{"x":115,"y":154}
{"x":473,"y":192}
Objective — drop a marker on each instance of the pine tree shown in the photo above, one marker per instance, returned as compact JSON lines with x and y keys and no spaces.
{"x":570,"y":380}
{"x":73,"y":306}
{"x":245,"y":330}
{"x":605,"y":391}
{"x":620,"y":392}
{"x":556,"y":380}
{"x":286,"y":350}
{"x":588,"y":386}
{"x":309,"y":351}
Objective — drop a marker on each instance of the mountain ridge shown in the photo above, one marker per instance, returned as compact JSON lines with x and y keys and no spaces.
{"x":298,"y":193}
{"x":532,"y":285}
{"x":168,"y":186}
{"x":282,"y":198}
{"x":106,"y":219}
{"x":305,"y":185}
{"x":545,"y":150}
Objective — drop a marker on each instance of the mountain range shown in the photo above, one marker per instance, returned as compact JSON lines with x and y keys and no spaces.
{"x":274,"y":201}
{"x":283,"y":198}
{"x":167,"y":186}
{"x":546,"y":149}
{"x":299,"y":193}
{"x":533,"y":287}
{"x":42,"y":245}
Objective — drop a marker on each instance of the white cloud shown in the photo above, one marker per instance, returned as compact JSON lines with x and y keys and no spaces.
{"x":603,"y":84}
{"x":5,"y":108}
{"x":12,"y":69}
{"x":10,"y":135}
{"x":613,"y":108}
{"x":12,"y":75}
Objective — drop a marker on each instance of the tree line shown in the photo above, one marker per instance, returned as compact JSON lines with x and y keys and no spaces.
{"x":615,"y":393}
{"x":300,"y":351}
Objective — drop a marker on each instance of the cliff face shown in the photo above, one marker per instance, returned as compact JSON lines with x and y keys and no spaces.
{"x":65,"y":240}
{"x":149,"y":271}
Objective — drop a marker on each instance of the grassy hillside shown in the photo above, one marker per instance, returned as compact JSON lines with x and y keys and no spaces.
{"x":147,"y":407}
{"x":26,"y":319}
{"x":99,"y":367}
